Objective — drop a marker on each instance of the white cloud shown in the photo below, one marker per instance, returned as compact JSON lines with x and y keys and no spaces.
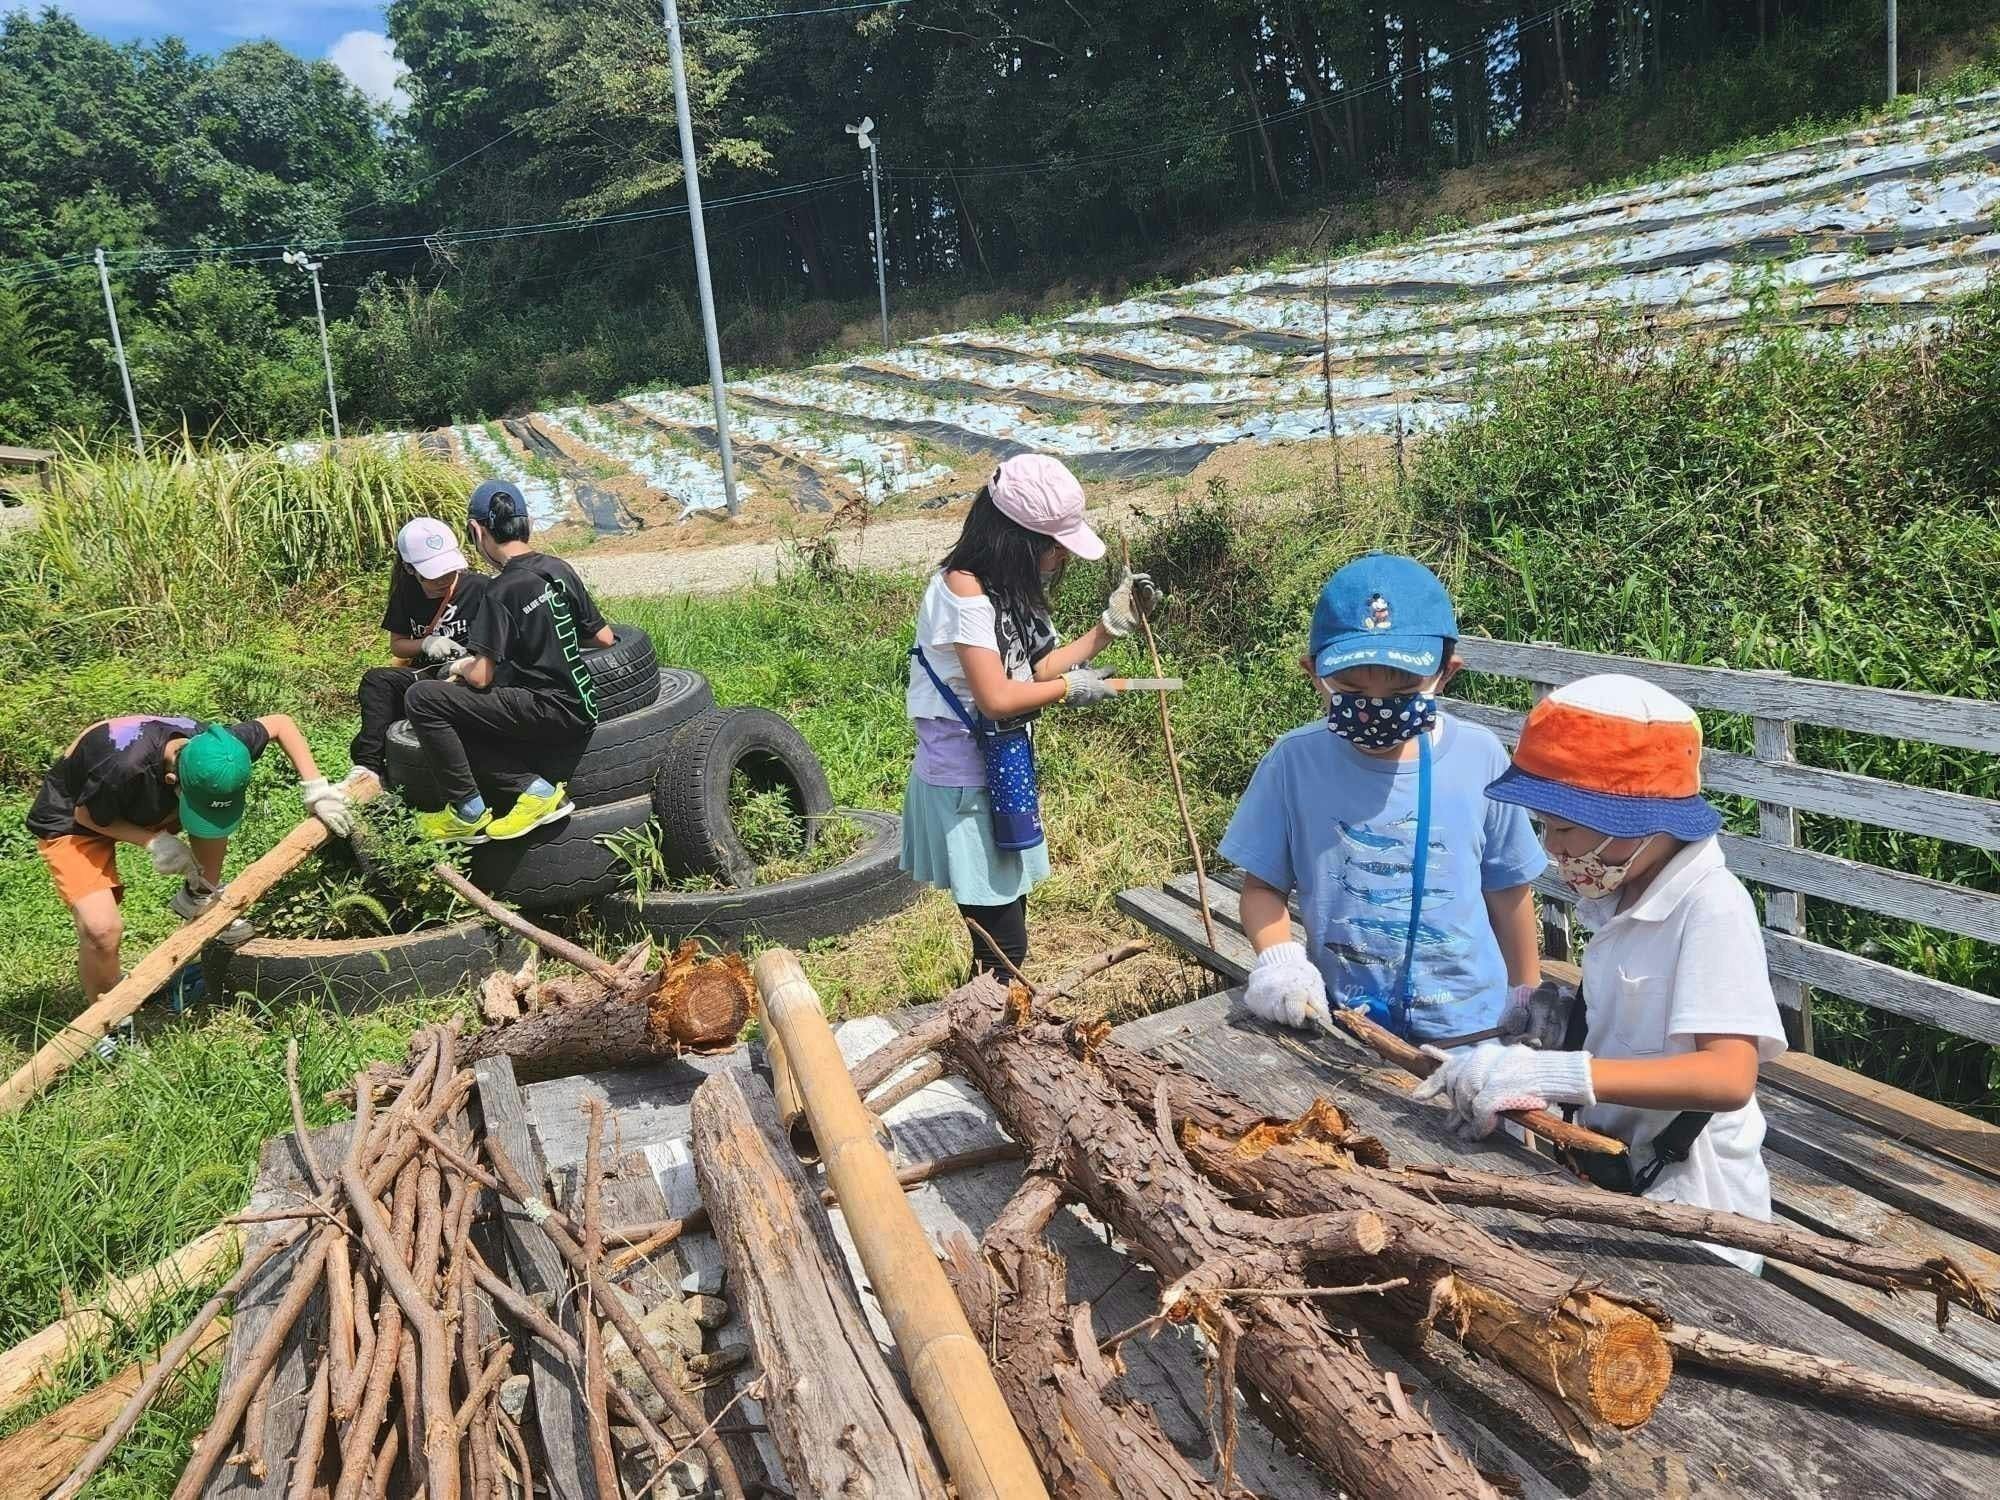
{"x":369,"y":60}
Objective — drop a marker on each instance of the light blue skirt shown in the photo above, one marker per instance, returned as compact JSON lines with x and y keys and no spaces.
{"x":948,"y":843}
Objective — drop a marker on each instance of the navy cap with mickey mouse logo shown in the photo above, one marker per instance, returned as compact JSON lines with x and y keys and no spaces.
{"x":1382,"y":610}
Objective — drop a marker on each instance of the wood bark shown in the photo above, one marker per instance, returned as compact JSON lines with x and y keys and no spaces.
{"x":835,"y":1410}
{"x":1090,"y":1442}
{"x":61,"y":1051}
{"x":1601,"y":1354}
{"x":1351,"y":1418}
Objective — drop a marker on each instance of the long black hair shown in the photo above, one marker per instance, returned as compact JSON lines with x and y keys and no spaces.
{"x":1004,"y":556}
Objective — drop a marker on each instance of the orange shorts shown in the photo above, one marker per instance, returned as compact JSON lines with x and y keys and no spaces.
{"x":82,"y":864}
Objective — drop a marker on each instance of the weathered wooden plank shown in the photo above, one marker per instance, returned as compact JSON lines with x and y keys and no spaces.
{"x":1784,"y":909}
{"x":1913,"y":898}
{"x":1965,"y":1139}
{"x":1951,"y":816}
{"x":1884,"y":987}
{"x":1710,"y":1437}
{"x":281,"y":1183}
{"x":642,"y":1106}
{"x":538,"y":1271}
{"x":1969,"y":723}
{"x":1929,"y":1187}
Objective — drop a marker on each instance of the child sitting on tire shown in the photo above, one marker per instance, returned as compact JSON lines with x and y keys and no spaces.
{"x":517,"y":710}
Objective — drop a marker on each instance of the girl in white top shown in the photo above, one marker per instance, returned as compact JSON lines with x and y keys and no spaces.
{"x":984,"y":632}
{"x":1677,"y":995}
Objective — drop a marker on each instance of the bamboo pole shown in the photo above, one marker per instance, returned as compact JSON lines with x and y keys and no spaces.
{"x":948,"y":1371}
{"x":1174,"y":764}
{"x":62,"y":1050}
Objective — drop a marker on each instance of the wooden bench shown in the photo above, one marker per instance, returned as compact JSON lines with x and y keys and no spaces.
{"x":41,"y":462}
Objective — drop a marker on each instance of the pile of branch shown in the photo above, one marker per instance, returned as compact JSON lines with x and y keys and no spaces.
{"x":1259,"y":1229}
{"x":410,"y":1391}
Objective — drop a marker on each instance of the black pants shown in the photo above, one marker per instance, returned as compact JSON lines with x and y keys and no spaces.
{"x":500,"y":738}
{"x":381,"y":694}
{"x":1008,"y":926}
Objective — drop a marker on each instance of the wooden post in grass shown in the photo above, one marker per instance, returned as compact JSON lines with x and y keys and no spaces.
{"x":156,"y":968}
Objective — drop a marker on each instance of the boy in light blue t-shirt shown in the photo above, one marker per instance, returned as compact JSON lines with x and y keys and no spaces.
{"x":1414,"y":887}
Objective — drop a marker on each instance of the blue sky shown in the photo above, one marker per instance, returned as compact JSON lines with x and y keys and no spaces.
{"x":348,"y":32}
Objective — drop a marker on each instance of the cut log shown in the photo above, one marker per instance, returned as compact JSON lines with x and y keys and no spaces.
{"x":822,"y":1372}
{"x":28,"y":1365}
{"x":182,"y":946}
{"x":1600,"y":1353}
{"x":1091,"y":1443}
{"x":1351,"y":1418}
{"x":35,"y":1459}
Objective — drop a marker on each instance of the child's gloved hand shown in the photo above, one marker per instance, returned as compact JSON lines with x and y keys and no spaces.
{"x":1481,"y":1085}
{"x":1086,"y":685}
{"x":172,"y":855}
{"x":1134,"y":596}
{"x":442,"y":647}
{"x":1537,"y":1015}
{"x":330,"y":805}
{"x":1285,"y":986}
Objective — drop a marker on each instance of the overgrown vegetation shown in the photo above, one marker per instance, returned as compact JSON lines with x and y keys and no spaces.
{"x":388,"y":885}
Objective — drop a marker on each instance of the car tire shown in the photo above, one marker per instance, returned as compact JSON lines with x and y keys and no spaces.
{"x":359,"y":974}
{"x":625,"y":676}
{"x":691,"y":792}
{"x":619,"y":763}
{"x":866,"y":887}
{"x":561,"y":866}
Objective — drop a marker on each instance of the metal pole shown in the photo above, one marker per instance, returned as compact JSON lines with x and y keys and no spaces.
{"x":118,"y":344}
{"x":325,"y":352}
{"x":881,"y":277}
{"x":686,"y":123}
{"x":1892,"y":48}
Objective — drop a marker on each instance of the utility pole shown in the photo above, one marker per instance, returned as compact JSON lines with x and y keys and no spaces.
{"x":864,"y":137}
{"x":1892,"y":48}
{"x":686,"y":123}
{"x":118,"y":344}
{"x":300,"y":258}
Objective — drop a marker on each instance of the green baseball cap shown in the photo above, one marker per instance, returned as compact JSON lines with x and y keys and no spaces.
{"x":214,"y":772}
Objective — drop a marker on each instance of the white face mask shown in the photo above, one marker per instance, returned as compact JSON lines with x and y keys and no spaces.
{"x":1590,"y":876}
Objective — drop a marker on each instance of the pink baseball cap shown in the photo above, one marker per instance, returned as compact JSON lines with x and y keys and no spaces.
{"x":430,"y":548}
{"x":1038,"y":492}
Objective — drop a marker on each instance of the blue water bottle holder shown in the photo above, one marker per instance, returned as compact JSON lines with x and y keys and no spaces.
{"x":1013,"y":793}
{"x":1395,"y":1014}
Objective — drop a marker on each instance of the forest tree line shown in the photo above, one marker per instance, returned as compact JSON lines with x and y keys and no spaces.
{"x":515,"y":234}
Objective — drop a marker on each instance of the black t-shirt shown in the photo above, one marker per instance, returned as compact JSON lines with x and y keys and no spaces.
{"x":117,"y":772}
{"x":533,"y":624}
{"x":411,"y":610}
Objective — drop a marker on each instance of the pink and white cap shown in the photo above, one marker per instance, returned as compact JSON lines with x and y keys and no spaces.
{"x":430,"y":548}
{"x":1040,"y":493}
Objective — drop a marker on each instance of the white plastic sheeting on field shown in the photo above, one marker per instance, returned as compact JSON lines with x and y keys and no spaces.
{"x":487,"y":458}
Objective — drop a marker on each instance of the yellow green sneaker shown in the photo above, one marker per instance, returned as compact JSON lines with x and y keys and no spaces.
{"x":532,"y":812}
{"x":447,"y":827}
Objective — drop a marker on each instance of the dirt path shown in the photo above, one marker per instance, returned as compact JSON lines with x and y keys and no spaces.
{"x":883,"y":546}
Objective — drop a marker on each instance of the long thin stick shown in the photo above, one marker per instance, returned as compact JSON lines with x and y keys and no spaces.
{"x":1174,"y":763}
{"x":548,"y":942}
{"x":594,"y":1377}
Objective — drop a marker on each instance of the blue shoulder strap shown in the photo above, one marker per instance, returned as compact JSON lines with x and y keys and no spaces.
{"x":944,"y":692}
{"x":1417,"y":871}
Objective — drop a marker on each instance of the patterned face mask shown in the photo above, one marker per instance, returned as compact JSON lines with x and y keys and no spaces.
{"x":1380,"y":721}
{"x":1589,"y":876}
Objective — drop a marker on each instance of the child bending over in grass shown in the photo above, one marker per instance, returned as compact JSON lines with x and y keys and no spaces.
{"x":1676,"y":1013}
{"x":1413,"y":888}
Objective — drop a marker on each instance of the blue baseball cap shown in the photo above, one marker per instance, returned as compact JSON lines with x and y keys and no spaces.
{"x":1382,"y":610}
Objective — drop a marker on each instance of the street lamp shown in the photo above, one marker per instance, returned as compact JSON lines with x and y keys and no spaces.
{"x":306,"y":263}
{"x":864,"y":137}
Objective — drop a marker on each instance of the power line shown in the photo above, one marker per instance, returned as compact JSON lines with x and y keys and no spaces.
{"x":786,"y":15}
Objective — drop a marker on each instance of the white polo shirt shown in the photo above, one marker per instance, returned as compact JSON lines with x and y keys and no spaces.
{"x":1686,"y":960}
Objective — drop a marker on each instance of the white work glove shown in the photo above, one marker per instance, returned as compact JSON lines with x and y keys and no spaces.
{"x":1086,"y":685}
{"x":173,"y":856}
{"x":330,"y":805}
{"x":1537,"y":1015}
{"x":1286,"y":986}
{"x":460,"y":665}
{"x":1481,"y":1085}
{"x":1134,"y":596}
{"x":442,"y":647}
